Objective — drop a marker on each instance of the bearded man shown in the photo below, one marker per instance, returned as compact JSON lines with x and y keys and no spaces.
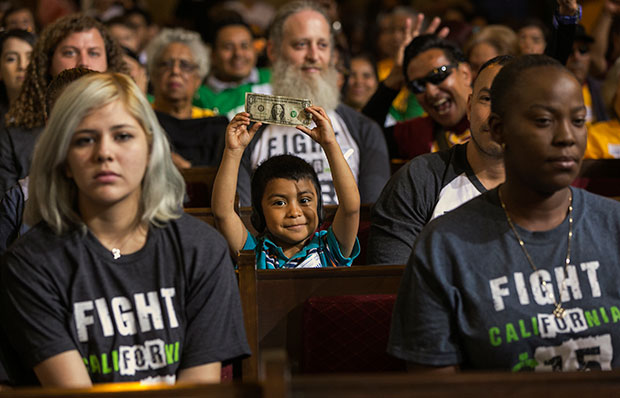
{"x":300,"y":48}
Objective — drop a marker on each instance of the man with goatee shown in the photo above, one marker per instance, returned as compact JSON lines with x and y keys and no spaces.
{"x":300,"y":48}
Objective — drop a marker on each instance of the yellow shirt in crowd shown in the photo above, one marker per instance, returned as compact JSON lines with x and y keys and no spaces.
{"x":603,"y":140}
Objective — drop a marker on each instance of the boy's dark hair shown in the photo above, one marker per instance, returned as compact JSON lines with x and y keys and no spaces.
{"x":289,"y":167}
{"x":509,"y":77}
{"x":499,"y":60}
{"x":424,"y":43}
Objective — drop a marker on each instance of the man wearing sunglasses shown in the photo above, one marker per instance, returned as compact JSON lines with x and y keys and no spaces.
{"x":435,"y":183}
{"x":435,"y":71}
{"x":579,"y":63}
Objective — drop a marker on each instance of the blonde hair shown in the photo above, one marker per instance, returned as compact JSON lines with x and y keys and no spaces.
{"x":53,"y":195}
{"x":501,"y":37}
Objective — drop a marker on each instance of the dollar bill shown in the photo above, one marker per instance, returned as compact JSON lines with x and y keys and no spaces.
{"x":275,"y":109}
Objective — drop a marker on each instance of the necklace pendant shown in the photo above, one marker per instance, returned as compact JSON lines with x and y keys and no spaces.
{"x":117,"y":254}
{"x":559,"y":312}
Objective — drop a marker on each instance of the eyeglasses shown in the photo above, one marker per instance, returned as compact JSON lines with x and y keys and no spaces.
{"x":436,"y":76}
{"x":185,"y":66}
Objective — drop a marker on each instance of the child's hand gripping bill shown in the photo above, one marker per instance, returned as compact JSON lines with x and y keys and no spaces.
{"x":323,"y":133}
{"x":237,"y":134}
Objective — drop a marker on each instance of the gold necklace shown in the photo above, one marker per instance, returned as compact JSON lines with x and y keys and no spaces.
{"x":558,"y":311}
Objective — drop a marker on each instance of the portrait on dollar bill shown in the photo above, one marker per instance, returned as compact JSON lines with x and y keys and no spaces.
{"x":277,"y":112}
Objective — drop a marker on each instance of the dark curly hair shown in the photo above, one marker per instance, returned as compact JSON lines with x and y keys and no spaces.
{"x":29,"y":108}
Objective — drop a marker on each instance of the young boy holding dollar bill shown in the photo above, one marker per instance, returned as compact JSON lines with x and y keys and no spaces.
{"x":287,"y":203}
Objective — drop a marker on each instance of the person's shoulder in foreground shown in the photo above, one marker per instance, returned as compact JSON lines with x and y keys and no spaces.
{"x":465,"y":300}
{"x":409,"y":199}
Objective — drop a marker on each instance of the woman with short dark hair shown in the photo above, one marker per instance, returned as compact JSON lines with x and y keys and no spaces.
{"x":519,"y":278}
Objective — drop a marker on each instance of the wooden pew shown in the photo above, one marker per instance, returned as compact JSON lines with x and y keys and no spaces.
{"x":276,"y":378}
{"x":136,"y":390}
{"x":199,"y":185}
{"x":272,"y":301}
{"x":206,"y":214}
{"x":600,"y":176}
{"x":462,"y":385}
{"x":605,"y":168}
{"x":277,"y":382}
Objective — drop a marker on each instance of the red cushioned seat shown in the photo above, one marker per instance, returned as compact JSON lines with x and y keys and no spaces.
{"x":226,"y":373}
{"x":348,"y":334}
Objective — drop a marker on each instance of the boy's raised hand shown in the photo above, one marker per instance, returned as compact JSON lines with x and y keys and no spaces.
{"x":323,"y":133}
{"x":237,"y":134}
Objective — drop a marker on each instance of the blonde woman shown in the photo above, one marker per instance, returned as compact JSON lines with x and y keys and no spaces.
{"x":113,"y":283}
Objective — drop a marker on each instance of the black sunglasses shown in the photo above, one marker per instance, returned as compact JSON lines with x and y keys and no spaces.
{"x":436,"y":76}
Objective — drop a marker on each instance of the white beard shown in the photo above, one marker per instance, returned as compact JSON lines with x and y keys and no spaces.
{"x":322,"y":90}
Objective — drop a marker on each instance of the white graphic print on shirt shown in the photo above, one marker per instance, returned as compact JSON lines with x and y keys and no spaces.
{"x":278,"y":140}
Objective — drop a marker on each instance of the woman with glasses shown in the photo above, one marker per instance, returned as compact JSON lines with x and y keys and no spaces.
{"x":524,"y":276}
{"x":178,"y":61}
{"x":114,"y":282}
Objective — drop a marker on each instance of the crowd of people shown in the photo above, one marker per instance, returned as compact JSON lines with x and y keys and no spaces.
{"x":509,"y":266}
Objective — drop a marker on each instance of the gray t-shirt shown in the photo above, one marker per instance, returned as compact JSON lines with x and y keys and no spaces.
{"x":469,"y":296}
{"x":173,"y":304}
{"x":425,"y":188}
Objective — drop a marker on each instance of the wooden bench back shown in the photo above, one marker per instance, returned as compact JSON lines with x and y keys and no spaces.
{"x":276,"y":382}
{"x":462,"y":385}
{"x":199,"y":185}
{"x":136,"y":390}
{"x":272,"y":301}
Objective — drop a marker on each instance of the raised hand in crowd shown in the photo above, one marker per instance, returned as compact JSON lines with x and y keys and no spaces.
{"x":567,"y":7}
{"x":413,"y":29}
{"x":346,"y":220}
{"x":600,"y":32}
